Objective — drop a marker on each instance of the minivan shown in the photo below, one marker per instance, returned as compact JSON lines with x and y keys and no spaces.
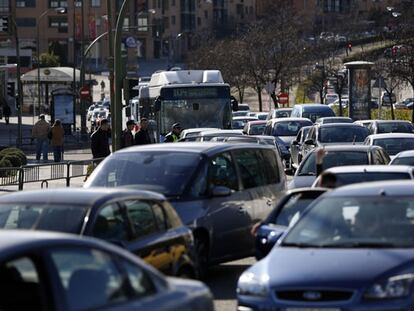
{"x":312,"y":111}
{"x":219,"y":190}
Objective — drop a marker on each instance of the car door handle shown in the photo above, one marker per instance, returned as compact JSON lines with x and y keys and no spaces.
{"x":242,"y":210}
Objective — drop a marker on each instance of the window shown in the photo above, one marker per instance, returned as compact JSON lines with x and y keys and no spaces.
{"x":166,"y":22}
{"x":95,"y":3}
{"x":26,"y":3}
{"x":20,"y":276}
{"x":60,"y":22}
{"x":159,"y":217}
{"x":89,"y":278}
{"x":222,"y":172}
{"x":4,"y":6}
{"x":26,"y":22}
{"x":142,"y":23}
{"x":270,"y":166}
{"x":58,"y":3}
{"x":142,"y":218}
{"x":173,"y":20}
{"x":110,"y":224}
{"x":251,"y":172}
{"x":141,"y":284}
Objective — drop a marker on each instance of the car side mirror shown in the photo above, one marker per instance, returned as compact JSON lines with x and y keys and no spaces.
{"x":234,"y":103}
{"x":309,"y":142}
{"x":295,"y":143}
{"x":221,"y":191}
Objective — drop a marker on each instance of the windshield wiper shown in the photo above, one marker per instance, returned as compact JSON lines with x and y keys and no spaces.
{"x":300,"y":245}
{"x":361,"y":244}
{"x":307,"y":174}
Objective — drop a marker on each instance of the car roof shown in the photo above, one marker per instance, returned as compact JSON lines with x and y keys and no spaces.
{"x":207,"y":148}
{"x":197,"y":130}
{"x":407,"y":153}
{"x":370,"y":169}
{"x":339,"y":125}
{"x":279,"y":120}
{"x":391,"y":135}
{"x":78,"y":196}
{"x":391,"y":121}
{"x":282,"y":109}
{"x":395,"y":188}
{"x":316,"y":106}
{"x":244,"y":118}
{"x":257,"y":122}
{"x":219,"y":131}
{"x":335,"y":118}
{"x":357,"y":148}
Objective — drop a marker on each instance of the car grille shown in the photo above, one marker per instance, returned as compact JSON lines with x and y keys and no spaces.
{"x":314,"y":295}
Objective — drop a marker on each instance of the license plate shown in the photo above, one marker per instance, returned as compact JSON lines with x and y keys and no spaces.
{"x":312,"y":309}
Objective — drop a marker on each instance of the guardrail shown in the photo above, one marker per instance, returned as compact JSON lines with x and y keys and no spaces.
{"x":43,"y":173}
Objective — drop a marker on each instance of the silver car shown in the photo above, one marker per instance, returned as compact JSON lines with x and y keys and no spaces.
{"x":219,"y":190}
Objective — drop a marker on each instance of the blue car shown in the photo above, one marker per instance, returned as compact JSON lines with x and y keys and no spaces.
{"x":55,"y":271}
{"x":352,"y":249}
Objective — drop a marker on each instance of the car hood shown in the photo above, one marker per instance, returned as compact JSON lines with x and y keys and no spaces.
{"x":301,"y":182}
{"x":291,"y":266}
{"x":286,"y":139}
{"x":189,"y":211}
{"x":345,"y":144}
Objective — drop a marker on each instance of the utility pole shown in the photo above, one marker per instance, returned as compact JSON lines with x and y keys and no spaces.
{"x":111,"y":66}
{"x":19,"y":98}
{"x":82,"y":73}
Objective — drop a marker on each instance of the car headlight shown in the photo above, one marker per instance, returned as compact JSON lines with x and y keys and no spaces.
{"x":251,"y":285}
{"x":397,"y":286}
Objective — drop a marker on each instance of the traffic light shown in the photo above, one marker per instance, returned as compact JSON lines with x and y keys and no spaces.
{"x":4,"y":24}
{"x":11,"y":89}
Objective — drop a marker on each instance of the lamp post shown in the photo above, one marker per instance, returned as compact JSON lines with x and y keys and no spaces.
{"x":58,"y":11}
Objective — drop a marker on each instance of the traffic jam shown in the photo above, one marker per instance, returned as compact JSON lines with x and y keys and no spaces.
{"x":324,"y":203}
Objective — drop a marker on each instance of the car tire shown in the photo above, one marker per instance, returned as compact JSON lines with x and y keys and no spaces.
{"x":201,"y":250}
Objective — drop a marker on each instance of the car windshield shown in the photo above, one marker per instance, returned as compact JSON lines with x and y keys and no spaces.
{"x":240,"y":113}
{"x":336,"y":120}
{"x":356,"y":222}
{"x":403,"y":161}
{"x":352,"y":178}
{"x":238,"y":124}
{"x":283,"y":114}
{"x":288,"y":128}
{"x":257,"y":129}
{"x":395,"y":145}
{"x":315,"y":115}
{"x":165,"y":172}
{"x":333,"y":158}
{"x":42,"y":216}
{"x":342,"y":134}
{"x":395,"y":128}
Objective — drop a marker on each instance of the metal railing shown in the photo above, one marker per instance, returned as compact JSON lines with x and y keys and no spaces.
{"x":43,"y":173}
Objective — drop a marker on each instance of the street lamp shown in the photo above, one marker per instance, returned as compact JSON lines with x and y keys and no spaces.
{"x":60,"y":10}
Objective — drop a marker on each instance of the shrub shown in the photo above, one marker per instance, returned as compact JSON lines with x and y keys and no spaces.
{"x":19,"y":158}
{"x":400,"y":114}
{"x":5,"y":163}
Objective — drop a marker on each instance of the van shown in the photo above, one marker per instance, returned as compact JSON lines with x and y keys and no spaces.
{"x":219,"y":190}
{"x":312,"y":111}
{"x":387,"y":100}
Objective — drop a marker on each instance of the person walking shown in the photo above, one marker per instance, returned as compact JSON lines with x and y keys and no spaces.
{"x":127,"y":138}
{"x":57,"y":138}
{"x":6,"y":113}
{"x":142,"y":137}
{"x":40,"y":132}
{"x":174,"y":135}
{"x":100,"y":140}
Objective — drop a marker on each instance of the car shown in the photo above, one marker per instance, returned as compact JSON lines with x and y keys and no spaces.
{"x":328,"y":120}
{"x":337,"y":155}
{"x":390,"y":126}
{"x":330,"y":98}
{"x":241,"y":113}
{"x":210,"y":134}
{"x":387,"y":99}
{"x":365,"y":123}
{"x":259,"y":115}
{"x":56,"y":271}
{"x":239,"y":122}
{"x":97,"y":115}
{"x":405,"y":104}
{"x":243,"y":107}
{"x":296,"y":146}
{"x":193,"y":133}
{"x":351,"y":249}
{"x":143,"y":222}
{"x":334,"y":133}
{"x":279,"y":113}
{"x":219,"y":190}
{"x":312,"y":111}
{"x":254,"y":127}
{"x":286,"y":213}
{"x":344,"y":103}
{"x":346,"y":175}
{"x":285,"y":131}
{"x":403,"y":158}
{"x":392,"y":143}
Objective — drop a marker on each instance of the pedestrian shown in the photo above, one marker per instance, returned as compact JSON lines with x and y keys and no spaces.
{"x":57,"y":138}
{"x":174,"y":135}
{"x":6,"y":113}
{"x":100,"y":140}
{"x":40,"y":132}
{"x":142,"y":137}
{"x":127,"y":138}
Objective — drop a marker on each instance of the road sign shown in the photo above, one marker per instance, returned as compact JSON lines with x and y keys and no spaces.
{"x":84,"y":92}
{"x":283,"y":98}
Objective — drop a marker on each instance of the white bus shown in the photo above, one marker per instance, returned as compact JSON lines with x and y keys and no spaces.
{"x":193,"y":98}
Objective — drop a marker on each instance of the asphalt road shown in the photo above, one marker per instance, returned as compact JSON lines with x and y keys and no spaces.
{"x":222,"y":281}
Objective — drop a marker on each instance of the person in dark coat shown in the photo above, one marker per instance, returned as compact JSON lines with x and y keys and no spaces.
{"x":174,"y":135}
{"x":100,"y":141}
{"x":142,"y":137}
{"x":6,"y":113}
{"x":127,"y":138}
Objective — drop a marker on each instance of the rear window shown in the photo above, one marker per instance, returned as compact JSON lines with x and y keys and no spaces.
{"x":395,"y":145}
{"x":403,"y":161}
{"x":352,"y":178}
{"x":315,"y":115}
{"x":289,"y":128}
{"x":395,"y":128}
{"x":342,"y":134}
{"x":257,"y":129}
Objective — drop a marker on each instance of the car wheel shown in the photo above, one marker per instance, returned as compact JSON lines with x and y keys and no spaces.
{"x":201,"y":248}
{"x":186,"y":273}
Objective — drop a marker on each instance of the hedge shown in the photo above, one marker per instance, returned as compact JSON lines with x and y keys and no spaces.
{"x":400,"y":114}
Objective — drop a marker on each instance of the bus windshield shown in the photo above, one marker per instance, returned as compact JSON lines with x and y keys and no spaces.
{"x":195,"y":107}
